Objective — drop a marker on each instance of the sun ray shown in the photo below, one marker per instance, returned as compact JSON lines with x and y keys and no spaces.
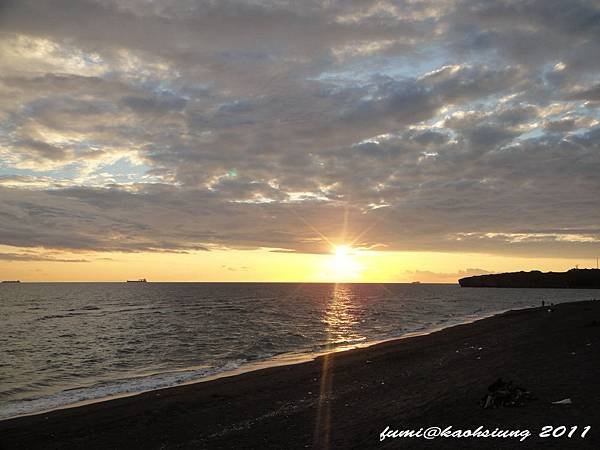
{"x":312,"y":227}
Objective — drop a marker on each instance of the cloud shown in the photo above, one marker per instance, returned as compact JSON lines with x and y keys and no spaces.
{"x":591,"y":93}
{"x":42,"y":149}
{"x":154,"y":105}
{"x":34,"y":257}
{"x":182,"y":126}
{"x":425,"y":276}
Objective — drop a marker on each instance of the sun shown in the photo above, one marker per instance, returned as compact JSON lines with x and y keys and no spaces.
{"x":342,"y":251}
{"x":343,"y":265}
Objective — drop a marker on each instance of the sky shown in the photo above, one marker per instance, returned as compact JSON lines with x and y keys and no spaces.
{"x":205,"y":140}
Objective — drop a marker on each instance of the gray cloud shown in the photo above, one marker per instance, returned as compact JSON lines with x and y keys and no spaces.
{"x":35,"y":257}
{"x":42,"y":149}
{"x":180,"y":125}
{"x":154,"y":105}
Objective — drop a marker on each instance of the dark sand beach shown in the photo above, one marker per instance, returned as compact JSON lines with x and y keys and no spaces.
{"x":345,"y":400}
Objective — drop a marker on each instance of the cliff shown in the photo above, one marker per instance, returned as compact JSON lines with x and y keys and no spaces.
{"x":573,"y":279}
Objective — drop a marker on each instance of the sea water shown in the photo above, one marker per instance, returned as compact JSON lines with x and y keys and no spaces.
{"x":64,"y":343}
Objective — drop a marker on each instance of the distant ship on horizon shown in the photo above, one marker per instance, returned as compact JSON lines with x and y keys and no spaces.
{"x":141,"y":280}
{"x":11,"y":281}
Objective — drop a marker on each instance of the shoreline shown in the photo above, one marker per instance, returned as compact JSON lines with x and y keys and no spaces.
{"x":285,"y":359}
{"x":345,"y":399}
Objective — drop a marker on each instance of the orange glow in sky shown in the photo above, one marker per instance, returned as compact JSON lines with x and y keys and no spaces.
{"x":343,"y":263}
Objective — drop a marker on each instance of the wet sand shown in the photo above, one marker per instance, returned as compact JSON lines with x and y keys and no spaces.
{"x":345,"y":400}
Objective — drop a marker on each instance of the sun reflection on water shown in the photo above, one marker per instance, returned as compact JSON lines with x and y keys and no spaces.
{"x":340,"y":321}
{"x":341,"y":317}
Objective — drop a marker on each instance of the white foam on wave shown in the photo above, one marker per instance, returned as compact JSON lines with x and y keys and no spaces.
{"x":110,"y":389}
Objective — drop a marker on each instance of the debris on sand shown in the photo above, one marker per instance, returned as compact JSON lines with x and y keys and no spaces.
{"x":505,"y":394}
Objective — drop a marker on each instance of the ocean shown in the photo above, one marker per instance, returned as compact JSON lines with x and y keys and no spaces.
{"x":66,"y":343}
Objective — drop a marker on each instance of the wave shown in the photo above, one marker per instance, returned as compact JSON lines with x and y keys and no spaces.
{"x":112,"y":388}
{"x":135,"y":385}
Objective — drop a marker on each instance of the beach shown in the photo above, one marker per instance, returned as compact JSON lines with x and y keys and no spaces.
{"x":347,"y":399}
